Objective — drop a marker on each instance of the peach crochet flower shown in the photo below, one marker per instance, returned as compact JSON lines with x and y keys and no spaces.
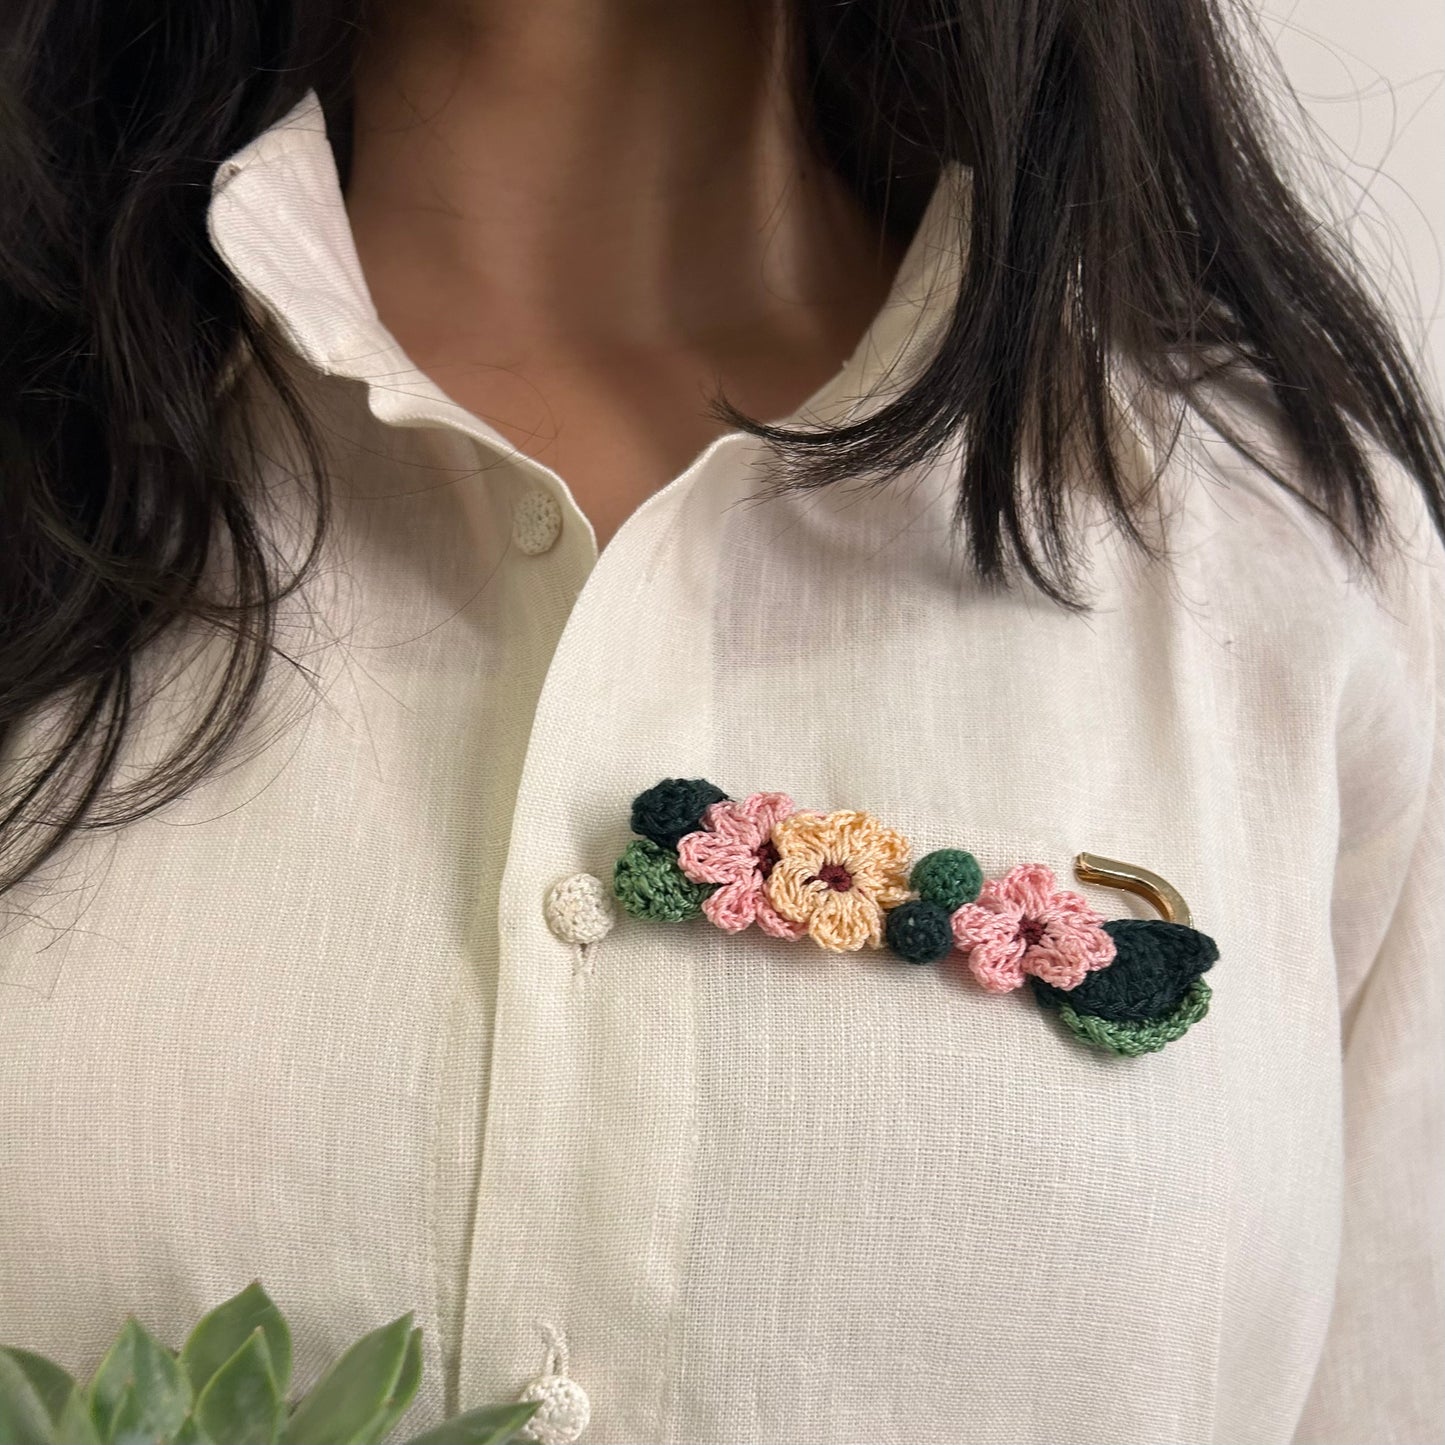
{"x":836,"y":874}
{"x":735,"y":849}
{"x":1022,"y":924}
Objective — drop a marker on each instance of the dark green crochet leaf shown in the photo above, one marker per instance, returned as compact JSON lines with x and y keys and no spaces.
{"x":673,"y":808}
{"x":1155,"y":966}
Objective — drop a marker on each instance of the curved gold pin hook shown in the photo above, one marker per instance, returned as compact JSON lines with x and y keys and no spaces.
{"x":1129,"y":876}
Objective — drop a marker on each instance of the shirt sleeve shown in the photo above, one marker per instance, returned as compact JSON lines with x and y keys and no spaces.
{"x":1381,"y":1376}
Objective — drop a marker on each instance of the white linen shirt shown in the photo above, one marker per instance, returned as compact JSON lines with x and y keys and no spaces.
{"x":308,"y":1023}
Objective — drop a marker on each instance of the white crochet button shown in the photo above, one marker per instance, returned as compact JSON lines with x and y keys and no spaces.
{"x":579,"y":909}
{"x":565,"y":1410}
{"x":536,"y":522}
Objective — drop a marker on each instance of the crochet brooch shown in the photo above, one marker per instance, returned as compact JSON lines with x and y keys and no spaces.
{"x":1129,"y":985}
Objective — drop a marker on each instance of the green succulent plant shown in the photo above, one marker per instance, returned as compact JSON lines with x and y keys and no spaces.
{"x":227,"y":1386}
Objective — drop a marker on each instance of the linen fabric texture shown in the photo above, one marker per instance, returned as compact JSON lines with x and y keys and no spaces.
{"x":309,"y":1024}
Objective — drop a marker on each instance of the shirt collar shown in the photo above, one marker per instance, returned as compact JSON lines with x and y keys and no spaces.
{"x":278,"y":221}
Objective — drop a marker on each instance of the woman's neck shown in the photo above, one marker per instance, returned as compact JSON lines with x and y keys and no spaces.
{"x":556,"y":185}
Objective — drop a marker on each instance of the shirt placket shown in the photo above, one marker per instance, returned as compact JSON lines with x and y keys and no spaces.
{"x":582,"y":1210}
{"x":584,"y":1200}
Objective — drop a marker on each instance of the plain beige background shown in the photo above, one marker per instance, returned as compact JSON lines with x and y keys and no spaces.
{"x":1372,"y":81}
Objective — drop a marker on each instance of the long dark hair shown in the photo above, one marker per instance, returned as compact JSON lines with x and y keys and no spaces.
{"x":1125,"y":203}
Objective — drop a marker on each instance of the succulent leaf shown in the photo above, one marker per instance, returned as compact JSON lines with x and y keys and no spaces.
{"x":241,"y":1404}
{"x":76,"y":1425}
{"x":24,"y":1420}
{"x":53,"y":1384}
{"x":490,"y":1425}
{"x":225,"y":1329}
{"x":348,"y":1399}
{"x":401,"y":1396}
{"x":140,"y":1390}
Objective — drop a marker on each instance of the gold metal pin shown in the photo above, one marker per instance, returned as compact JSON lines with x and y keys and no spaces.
{"x":1133,"y":879}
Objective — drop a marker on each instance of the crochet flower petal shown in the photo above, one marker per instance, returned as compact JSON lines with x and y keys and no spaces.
{"x":871,"y":874}
{"x":712,"y":858}
{"x":732,"y":907}
{"x":767,"y":810}
{"x":773,"y":923}
{"x":991,"y":941}
{"x":1073,"y":945}
{"x":864,"y":837}
{"x":749,"y":821}
{"x":891,"y":894}
{"x":878,"y":860}
{"x":1029,"y":887}
{"x":727,"y":820}
{"x":792,"y":887}
{"x":843,"y":922}
{"x":972,"y":923}
{"x":996,"y":897}
{"x":1066,"y":904}
{"x":805,"y":838}
{"x":993,"y":899}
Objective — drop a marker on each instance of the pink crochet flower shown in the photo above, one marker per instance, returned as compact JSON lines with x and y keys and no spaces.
{"x":735,"y":848}
{"x":1021,"y":924}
